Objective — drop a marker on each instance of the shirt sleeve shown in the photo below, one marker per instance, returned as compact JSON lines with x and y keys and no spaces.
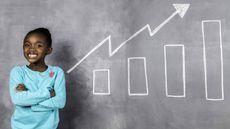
{"x":59,"y":100}
{"x":24,"y":98}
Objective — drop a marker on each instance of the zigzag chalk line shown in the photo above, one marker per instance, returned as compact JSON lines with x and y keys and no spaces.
{"x":180,"y":9}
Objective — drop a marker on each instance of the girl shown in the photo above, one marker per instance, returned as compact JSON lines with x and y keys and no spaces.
{"x":37,"y":90}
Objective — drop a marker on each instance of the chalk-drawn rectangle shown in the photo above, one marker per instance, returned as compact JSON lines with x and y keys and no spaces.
{"x":174,"y":59}
{"x":137,"y":76}
{"x":101,"y":82}
{"x":213,"y":59}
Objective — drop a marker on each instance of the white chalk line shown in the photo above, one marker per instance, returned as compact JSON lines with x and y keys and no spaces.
{"x":205,"y":61}
{"x":94,"y":76}
{"x":151,"y":33}
{"x":166,"y":72}
{"x":146,"y":77}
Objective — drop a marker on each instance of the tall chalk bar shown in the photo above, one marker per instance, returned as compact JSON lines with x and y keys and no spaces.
{"x":174,"y":60}
{"x":137,"y":76}
{"x":213,"y":60}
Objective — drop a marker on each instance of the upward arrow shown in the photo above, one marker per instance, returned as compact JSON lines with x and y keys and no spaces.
{"x":181,"y":9}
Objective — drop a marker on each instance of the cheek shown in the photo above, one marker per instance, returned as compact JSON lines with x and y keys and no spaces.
{"x":41,"y":50}
{"x":25,"y":49}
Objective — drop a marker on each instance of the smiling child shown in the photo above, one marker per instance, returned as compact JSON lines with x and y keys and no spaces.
{"x":37,"y":90}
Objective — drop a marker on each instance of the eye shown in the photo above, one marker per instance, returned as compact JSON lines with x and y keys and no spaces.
{"x":26,"y":45}
{"x":39,"y":45}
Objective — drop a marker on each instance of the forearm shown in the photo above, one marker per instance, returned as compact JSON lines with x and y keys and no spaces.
{"x":40,"y":108}
{"x":28,"y":98}
{"x":57,"y":102}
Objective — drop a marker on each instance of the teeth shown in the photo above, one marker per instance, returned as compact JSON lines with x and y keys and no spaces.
{"x":32,"y":55}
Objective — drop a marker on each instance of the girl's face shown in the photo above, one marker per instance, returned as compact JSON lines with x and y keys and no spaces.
{"x":35,"y":48}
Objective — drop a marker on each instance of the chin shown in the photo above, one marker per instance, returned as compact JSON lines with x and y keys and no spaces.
{"x":32,"y":61}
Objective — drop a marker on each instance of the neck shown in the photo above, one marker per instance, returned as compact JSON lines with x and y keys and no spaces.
{"x":38,"y":66}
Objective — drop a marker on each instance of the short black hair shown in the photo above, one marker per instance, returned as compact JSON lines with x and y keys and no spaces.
{"x":43,"y":31}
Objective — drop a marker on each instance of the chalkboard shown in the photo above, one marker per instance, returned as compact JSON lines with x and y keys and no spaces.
{"x":140,"y":64}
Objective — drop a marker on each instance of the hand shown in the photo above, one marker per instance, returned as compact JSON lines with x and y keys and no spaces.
{"x":21,"y":87}
{"x":52,"y":93}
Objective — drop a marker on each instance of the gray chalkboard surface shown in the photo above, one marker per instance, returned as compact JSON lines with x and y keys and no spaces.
{"x":130,"y":64}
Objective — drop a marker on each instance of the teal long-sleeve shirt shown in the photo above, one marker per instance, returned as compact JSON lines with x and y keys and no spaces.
{"x":34,"y":108}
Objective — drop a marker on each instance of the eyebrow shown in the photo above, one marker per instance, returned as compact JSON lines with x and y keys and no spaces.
{"x":26,"y":41}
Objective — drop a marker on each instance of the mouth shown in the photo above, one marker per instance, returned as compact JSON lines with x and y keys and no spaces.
{"x":32,"y":55}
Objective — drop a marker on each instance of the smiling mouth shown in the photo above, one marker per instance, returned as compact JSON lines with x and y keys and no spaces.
{"x":32,"y":55}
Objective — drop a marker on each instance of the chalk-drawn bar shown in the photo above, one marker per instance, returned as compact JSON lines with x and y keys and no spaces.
{"x":174,"y":59}
{"x":137,"y":76}
{"x":101,"y":82}
{"x":213,"y":59}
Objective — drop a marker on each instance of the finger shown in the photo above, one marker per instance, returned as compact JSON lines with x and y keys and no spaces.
{"x":21,"y":88}
{"x":18,"y":90}
{"x":21,"y":85}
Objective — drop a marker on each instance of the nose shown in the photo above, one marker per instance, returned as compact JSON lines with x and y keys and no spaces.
{"x":32,"y":49}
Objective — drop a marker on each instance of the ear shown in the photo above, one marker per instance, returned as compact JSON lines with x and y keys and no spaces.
{"x":50,"y":49}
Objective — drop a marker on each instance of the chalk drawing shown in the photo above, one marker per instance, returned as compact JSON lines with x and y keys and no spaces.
{"x":181,"y":9}
{"x":146,"y":77}
{"x":205,"y":57}
{"x":94,"y":79}
{"x":166,"y":72}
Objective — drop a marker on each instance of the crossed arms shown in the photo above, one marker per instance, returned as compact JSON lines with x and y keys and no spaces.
{"x":50,"y":96}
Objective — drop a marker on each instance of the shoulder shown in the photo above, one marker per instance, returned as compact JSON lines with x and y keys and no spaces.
{"x":17,"y":69}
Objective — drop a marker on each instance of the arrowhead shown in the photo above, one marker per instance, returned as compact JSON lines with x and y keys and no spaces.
{"x":181,"y":9}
